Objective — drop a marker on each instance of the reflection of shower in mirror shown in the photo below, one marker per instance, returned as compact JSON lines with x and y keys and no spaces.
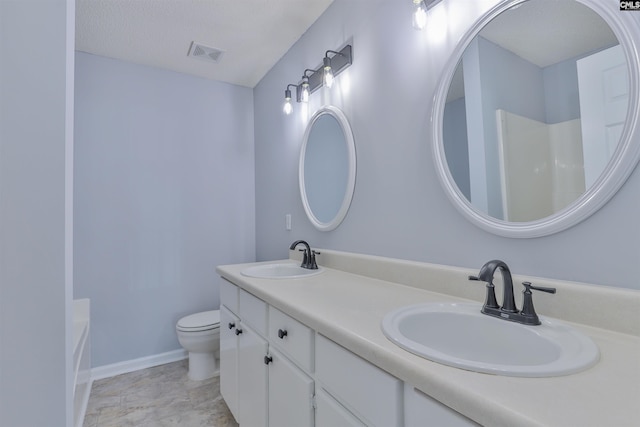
{"x":541,"y":166}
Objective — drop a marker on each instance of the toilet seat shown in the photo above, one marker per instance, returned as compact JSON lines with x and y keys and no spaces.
{"x":204,"y":321}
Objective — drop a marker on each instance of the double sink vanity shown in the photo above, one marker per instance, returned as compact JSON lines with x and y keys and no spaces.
{"x":353,"y":340}
{"x":365,"y":340}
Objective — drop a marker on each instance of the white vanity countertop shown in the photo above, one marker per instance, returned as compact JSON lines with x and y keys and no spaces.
{"x":348,"y":308}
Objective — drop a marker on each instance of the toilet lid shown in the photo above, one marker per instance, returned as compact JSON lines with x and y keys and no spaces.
{"x":200,"y":321}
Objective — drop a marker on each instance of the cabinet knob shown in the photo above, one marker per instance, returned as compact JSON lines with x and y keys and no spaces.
{"x":238,"y":331}
{"x":282,"y":333}
{"x":268,"y":359}
{"x":232,"y":325}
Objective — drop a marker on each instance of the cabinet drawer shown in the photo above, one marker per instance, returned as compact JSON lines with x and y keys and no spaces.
{"x":293,"y":338}
{"x":420,"y":410}
{"x":253,"y":311}
{"x":371,"y":393}
{"x":330,"y":413}
{"x":229,"y":295}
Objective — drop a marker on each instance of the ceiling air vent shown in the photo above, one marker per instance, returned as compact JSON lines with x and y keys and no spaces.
{"x":206,"y":53}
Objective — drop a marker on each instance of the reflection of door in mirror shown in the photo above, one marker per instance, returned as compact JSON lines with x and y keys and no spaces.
{"x":604,"y":96}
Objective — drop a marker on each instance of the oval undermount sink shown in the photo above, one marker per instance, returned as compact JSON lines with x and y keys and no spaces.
{"x":458,"y":335}
{"x":280,"y":271}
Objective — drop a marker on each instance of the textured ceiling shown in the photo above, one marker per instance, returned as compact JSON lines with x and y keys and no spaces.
{"x":253,"y":34}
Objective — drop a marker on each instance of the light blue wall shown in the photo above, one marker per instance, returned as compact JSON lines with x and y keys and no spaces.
{"x":454,"y":136}
{"x":562,"y":101}
{"x":164,"y":192}
{"x":399,"y":208}
{"x":36,"y":55}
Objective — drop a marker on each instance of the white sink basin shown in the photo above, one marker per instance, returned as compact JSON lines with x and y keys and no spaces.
{"x":458,"y":335}
{"x":280,"y":271}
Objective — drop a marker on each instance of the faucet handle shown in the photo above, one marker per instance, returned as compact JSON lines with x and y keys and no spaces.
{"x":528,"y":313}
{"x":312,"y":261}
{"x":305,"y":258}
{"x":491,"y":300}
{"x":528,"y":285}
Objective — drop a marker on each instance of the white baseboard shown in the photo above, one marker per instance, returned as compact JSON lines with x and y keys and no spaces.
{"x":114,"y":369}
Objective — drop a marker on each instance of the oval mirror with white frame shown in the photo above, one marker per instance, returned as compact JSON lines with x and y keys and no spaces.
{"x":535,"y":117}
{"x":327,"y":170}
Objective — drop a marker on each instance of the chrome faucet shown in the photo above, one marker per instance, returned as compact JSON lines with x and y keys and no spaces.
{"x":508,"y":311}
{"x":308,"y":257}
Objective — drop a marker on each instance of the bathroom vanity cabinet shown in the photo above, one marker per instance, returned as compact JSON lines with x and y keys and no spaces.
{"x":243,"y":374}
{"x":259,"y":382}
{"x":275,"y":371}
{"x":346,"y":372}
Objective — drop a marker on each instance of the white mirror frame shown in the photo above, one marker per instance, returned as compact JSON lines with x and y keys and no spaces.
{"x":351,"y":174}
{"x":621,"y":165}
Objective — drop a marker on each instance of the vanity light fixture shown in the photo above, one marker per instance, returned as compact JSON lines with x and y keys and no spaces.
{"x":287,"y":108}
{"x":312,"y":80}
{"x":304,"y":97}
{"x":328,"y":72}
{"x":341,"y":59}
{"x":420,"y":12}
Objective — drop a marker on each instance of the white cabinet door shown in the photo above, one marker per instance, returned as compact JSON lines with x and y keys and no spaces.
{"x":229,"y":359}
{"x":290,"y":393}
{"x":252,"y":378}
{"x":373,"y":395}
{"x":330,"y":413}
{"x":421,"y":410}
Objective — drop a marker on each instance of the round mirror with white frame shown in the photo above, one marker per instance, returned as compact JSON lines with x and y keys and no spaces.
{"x":327,"y":169}
{"x":523,"y":157}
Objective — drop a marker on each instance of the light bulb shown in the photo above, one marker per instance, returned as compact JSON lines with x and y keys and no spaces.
{"x":287,"y":108}
{"x":419,"y":15}
{"x":328,"y":77}
{"x":328,"y":73}
{"x":305,"y":92}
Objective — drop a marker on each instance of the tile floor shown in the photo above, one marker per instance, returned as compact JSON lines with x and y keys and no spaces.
{"x":161,"y":396}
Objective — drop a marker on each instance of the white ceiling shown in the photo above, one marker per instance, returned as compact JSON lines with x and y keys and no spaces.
{"x":253,"y":34}
{"x":546,"y":32}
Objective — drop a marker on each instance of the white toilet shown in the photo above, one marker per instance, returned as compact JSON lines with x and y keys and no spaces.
{"x":199,"y":334}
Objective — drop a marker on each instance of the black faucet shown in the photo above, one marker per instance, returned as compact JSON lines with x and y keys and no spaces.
{"x":486,"y":275}
{"x":308,"y":257}
{"x":508,"y":311}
